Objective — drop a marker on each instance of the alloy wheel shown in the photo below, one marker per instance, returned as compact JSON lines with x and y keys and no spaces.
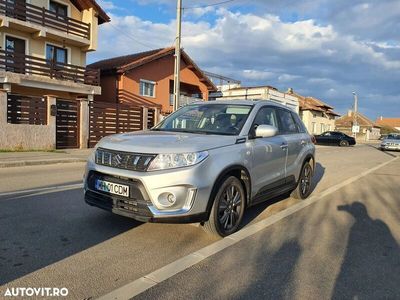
{"x":230,"y":206}
{"x":305,"y":181}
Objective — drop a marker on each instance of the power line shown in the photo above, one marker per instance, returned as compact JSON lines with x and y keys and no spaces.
{"x":132,"y":37}
{"x":208,"y":5}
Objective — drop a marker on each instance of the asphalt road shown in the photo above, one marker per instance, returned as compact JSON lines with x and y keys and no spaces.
{"x":49,"y":237}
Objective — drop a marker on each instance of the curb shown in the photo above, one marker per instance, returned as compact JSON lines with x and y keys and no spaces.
{"x":12,"y":164}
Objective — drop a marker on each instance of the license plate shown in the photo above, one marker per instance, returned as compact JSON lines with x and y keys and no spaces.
{"x":112,"y":188}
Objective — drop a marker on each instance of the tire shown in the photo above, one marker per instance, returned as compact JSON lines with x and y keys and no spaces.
{"x":304,"y":184}
{"x":344,"y":143}
{"x":226,"y":212}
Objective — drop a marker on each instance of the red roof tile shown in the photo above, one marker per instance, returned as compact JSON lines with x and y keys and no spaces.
{"x":126,"y":63}
{"x":391,"y":122}
{"x":347,"y":121}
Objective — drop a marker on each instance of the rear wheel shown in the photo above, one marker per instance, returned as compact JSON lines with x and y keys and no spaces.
{"x":303,"y":189}
{"x":344,"y":143}
{"x":228,"y":208}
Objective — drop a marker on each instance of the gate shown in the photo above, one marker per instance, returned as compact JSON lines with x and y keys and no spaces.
{"x":110,"y":118}
{"x":67,"y":124}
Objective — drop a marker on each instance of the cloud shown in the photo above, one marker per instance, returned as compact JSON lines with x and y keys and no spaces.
{"x":316,"y":59}
{"x":107,"y":5}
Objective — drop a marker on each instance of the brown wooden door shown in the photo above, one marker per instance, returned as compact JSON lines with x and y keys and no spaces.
{"x":15,"y":49}
{"x":67,"y":124}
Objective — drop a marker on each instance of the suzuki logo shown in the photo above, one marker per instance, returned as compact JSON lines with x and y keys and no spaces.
{"x":118,"y":159}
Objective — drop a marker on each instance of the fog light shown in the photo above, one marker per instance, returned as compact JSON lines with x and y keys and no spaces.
{"x":166,"y":199}
{"x":171,"y":198}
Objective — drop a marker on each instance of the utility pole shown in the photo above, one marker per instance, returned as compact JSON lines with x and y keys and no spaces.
{"x":355,"y":113}
{"x":177,"y":84}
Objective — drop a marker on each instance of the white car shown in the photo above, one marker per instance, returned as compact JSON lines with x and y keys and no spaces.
{"x":391,"y":142}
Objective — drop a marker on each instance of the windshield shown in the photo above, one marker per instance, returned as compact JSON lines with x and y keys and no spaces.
{"x":222,"y":119}
{"x":393,"y":137}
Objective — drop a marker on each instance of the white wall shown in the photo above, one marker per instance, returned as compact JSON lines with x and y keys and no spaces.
{"x":262,"y":93}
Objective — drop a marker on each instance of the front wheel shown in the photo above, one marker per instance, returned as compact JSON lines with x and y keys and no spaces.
{"x":303,"y":189}
{"x":228,"y":208}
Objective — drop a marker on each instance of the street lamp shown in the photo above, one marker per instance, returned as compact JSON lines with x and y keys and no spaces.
{"x":355,"y":128}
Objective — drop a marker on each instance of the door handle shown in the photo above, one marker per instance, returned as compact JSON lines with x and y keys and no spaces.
{"x":284,"y":146}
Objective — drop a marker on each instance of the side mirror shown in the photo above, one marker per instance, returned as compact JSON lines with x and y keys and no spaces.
{"x":265,"y":131}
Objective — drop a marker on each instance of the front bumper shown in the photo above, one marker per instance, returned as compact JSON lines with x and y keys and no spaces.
{"x":390,"y":147}
{"x":191,"y":186}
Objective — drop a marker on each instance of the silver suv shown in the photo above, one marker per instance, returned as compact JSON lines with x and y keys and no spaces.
{"x":206,"y":163}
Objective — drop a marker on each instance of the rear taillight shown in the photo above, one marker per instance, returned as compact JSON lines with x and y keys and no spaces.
{"x":313,"y":140}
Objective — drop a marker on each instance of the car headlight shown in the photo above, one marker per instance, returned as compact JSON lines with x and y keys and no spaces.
{"x":177,"y":160}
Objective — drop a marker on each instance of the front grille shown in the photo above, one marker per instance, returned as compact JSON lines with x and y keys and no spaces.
{"x":123,"y":160}
{"x":134,"y":208}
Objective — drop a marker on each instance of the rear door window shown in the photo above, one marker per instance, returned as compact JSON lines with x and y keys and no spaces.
{"x":287,"y":125}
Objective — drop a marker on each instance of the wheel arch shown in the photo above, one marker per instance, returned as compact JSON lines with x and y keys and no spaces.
{"x":311,"y":159}
{"x":238,"y":171}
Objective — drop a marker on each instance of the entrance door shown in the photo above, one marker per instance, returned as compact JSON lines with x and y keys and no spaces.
{"x":15,"y":52}
{"x":67,"y":124}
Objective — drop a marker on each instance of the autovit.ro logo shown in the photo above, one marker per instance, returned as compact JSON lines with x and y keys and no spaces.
{"x":36,"y":292}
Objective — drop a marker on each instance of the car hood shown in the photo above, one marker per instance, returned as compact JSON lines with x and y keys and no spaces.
{"x":164,"y":142}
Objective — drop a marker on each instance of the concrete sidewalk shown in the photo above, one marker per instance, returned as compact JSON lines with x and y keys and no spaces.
{"x":18,"y":159}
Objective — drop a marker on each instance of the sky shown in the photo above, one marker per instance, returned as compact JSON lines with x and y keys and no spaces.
{"x":321,"y":48}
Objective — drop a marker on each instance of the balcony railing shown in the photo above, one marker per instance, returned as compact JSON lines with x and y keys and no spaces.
{"x":44,"y":17}
{"x":30,"y":65}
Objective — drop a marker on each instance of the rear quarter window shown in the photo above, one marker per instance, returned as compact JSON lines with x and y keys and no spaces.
{"x":299,"y":123}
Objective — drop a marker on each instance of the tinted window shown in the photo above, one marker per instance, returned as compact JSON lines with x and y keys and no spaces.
{"x":286,"y":124}
{"x":337,"y":133}
{"x":266,"y":116}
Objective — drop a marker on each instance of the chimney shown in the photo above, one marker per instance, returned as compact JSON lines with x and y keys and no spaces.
{"x":349,"y":113}
{"x":290,"y":91}
{"x":381,"y":118}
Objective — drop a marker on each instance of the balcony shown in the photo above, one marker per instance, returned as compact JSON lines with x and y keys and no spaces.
{"x":30,"y":65}
{"x":41,"y":16}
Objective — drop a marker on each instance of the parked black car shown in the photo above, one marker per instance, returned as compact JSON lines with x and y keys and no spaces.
{"x":335,"y":138}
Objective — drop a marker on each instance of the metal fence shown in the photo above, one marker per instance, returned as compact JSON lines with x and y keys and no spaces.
{"x":26,"y":110}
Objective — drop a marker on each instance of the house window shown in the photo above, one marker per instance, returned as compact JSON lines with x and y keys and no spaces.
{"x":314,"y":127}
{"x":59,"y":9}
{"x":56,"y":55}
{"x":322,"y":127}
{"x":147,"y":88}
